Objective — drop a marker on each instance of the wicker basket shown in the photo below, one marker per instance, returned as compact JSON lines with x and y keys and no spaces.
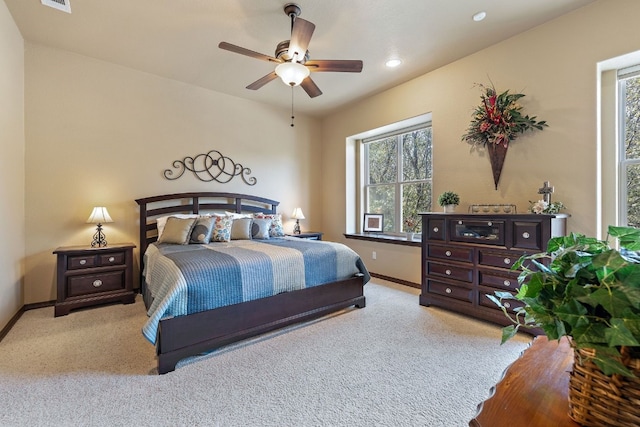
{"x":597,"y":400}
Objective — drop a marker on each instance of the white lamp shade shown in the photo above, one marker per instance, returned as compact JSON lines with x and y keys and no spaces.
{"x":297,"y":214}
{"x":99,"y":215}
{"x":292,"y":73}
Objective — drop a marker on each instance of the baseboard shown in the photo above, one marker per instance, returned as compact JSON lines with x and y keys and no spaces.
{"x":394,"y":280}
{"x":18,"y":315}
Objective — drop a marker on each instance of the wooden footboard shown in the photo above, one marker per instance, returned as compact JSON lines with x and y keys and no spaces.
{"x":185,"y":336}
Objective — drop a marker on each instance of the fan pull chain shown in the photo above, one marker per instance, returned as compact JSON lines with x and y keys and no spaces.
{"x":292,"y":116}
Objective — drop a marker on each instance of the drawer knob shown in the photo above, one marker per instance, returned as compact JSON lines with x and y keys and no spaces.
{"x":459,"y":222}
{"x":507,"y":282}
{"x":447,"y":272}
{"x":526,"y":235}
{"x":448,"y":253}
{"x":448,"y":290}
{"x":97,"y":283}
{"x":506,"y":304}
{"x":489,"y":223}
{"x":436,"y":229}
{"x":83,"y":261}
{"x":507,"y":261}
{"x":111,"y":259}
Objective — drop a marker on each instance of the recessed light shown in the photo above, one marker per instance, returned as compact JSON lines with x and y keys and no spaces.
{"x":393,"y":63}
{"x":479,"y":16}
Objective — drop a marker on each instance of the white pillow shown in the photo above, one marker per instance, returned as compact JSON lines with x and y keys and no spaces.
{"x":162,"y":221}
{"x":238,"y":215}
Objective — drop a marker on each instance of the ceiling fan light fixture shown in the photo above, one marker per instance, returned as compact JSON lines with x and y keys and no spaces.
{"x":292,"y":73}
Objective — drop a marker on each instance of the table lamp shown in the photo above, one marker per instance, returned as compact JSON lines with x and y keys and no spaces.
{"x":297,"y":215}
{"x":98,"y":216}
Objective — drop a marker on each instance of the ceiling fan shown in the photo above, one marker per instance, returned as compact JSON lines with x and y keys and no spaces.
{"x":292,"y":57}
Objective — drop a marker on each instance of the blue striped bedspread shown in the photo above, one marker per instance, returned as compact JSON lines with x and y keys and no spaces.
{"x":185,"y":279}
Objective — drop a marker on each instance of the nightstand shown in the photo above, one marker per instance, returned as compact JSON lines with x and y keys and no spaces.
{"x":90,"y":276}
{"x":309,"y":235}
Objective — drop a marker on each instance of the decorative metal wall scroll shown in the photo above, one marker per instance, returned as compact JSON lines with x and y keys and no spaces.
{"x":211,"y":166}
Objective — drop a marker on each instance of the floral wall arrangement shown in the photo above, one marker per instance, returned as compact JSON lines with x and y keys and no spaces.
{"x":497,"y":122}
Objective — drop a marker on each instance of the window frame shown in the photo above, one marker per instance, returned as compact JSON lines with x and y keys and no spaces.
{"x":623,"y":75}
{"x":399,"y":180}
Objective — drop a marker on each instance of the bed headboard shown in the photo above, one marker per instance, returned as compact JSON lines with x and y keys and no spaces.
{"x":187,"y":203}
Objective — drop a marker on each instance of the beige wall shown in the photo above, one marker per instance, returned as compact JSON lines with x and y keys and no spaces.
{"x":101,"y":134}
{"x":12,"y":169}
{"x":556,"y":66}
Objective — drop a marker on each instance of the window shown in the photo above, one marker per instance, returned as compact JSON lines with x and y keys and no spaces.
{"x":629,"y":146}
{"x":398,"y":177}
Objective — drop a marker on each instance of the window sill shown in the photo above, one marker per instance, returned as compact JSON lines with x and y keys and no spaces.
{"x":383,"y":238}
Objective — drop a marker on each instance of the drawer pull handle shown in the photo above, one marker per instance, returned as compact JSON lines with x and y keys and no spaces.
{"x":489,"y":223}
{"x":507,"y":282}
{"x":459,"y":222}
{"x":448,"y":290}
{"x":436,"y":229}
{"x":83,"y":261}
{"x":526,"y":235}
{"x":448,"y":253}
{"x":111,"y":259}
{"x":506,"y":304}
{"x":97,"y":283}
{"x":507,"y":260}
{"x":447,"y":272}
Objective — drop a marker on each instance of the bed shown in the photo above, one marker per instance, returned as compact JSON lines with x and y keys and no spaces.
{"x":178,"y":333}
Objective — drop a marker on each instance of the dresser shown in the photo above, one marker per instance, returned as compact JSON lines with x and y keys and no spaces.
{"x":466,"y":256}
{"x":90,"y":276}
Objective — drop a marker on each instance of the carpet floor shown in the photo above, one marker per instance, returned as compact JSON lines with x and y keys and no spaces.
{"x":393,"y":363}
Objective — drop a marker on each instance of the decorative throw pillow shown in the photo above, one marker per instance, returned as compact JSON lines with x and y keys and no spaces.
{"x":202,"y":230}
{"x":276,"y":229}
{"x":222,"y":229}
{"x":260,"y":228}
{"x":238,"y":215}
{"x":177,"y":230}
{"x":241,"y":229}
{"x":161,"y":221}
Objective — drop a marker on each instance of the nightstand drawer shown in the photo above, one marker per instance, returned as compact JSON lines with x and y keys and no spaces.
{"x":94,"y":283}
{"x":76,"y":262}
{"x":116,"y":258}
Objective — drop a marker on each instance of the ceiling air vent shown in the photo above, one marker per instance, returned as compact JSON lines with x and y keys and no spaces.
{"x":62,"y":5}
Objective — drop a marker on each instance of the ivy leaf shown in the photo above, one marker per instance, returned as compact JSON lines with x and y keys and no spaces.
{"x":618,"y":334}
{"x":573,"y":313}
{"x":608,"y":360}
{"x":611,"y":299}
{"x":629,"y":237}
{"x":509,"y":332}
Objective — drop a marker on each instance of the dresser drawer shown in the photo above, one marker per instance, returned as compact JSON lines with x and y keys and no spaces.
{"x":497,"y":259}
{"x":504,"y":281}
{"x":510,"y":304}
{"x":450,"y":271}
{"x":452,"y":291}
{"x":527,"y":235}
{"x":435,"y":229}
{"x":453,"y":253}
{"x":95,"y":283}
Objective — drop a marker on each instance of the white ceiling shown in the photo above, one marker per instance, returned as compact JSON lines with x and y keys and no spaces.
{"x":178,"y":39}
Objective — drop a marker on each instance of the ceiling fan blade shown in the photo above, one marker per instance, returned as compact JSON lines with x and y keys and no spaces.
{"x":337,"y":65}
{"x":300,"y":37}
{"x":263,"y":81}
{"x":242,"y":51}
{"x":310,"y":87}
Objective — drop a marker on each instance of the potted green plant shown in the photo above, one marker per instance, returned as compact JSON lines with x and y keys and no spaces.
{"x":584,"y":289}
{"x":449,"y":200}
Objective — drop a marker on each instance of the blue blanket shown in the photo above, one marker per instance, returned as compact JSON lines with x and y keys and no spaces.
{"x":185,"y":279}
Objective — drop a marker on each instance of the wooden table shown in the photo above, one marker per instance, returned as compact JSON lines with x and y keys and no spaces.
{"x":533,"y":391}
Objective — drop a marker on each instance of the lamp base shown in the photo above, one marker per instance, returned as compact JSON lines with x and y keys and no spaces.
{"x":99,"y":240}
{"x":296,"y":228}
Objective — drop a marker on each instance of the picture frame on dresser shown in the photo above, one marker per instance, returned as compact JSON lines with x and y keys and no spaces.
{"x":373,"y":223}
